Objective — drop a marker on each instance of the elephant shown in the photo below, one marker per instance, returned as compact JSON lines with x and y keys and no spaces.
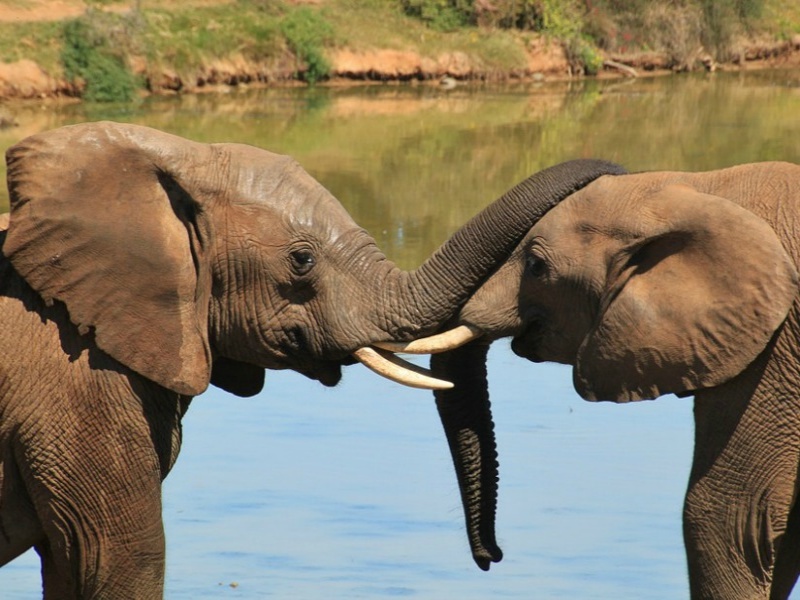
{"x":138,"y":267}
{"x":649,"y":284}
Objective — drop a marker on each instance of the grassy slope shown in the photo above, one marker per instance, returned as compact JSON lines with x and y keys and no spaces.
{"x":187,"y":40}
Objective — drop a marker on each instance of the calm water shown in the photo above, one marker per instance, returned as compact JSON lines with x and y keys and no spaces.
{"x":306,"y":492}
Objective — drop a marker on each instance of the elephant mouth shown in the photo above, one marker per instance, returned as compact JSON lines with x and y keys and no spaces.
{"x":382,"y":361}
{"x":327,"y":373}
{"x":522,"y":348}
{"x":296,"y":353}
{"x":525,"y":343}
{"x":386,"y":364}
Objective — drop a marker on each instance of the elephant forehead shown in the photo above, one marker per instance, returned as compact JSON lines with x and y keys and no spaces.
{"x":622,"y":208}
{"x":276,"y":186}
{"x":584,"y":221}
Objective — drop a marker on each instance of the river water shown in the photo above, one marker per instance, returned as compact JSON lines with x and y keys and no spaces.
{"x":306,"y":492}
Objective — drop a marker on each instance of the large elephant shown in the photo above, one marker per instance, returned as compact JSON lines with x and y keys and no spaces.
{"x":137,"y":267}
{"x":656,"y":283}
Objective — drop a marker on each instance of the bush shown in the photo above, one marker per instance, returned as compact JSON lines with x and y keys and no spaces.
{"x":306,"y":31}
{"x":725,"y":19}
{"x":583,"y":55}
{"x":442,"y":15}
{"x":681,"y":28}
{"x":92,"y":52}
{"x":551,"y":16}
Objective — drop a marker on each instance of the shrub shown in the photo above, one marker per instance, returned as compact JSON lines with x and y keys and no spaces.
{"x":681,"y":28}
{"x":725,"y":19}
{"x":583,"y":55}
{"x":93,"y":51}
{"x":306,"y":31}
{"x":442,"y":15}
{"x":552,"y":16}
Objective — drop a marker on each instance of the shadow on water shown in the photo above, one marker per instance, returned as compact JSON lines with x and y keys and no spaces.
{"x":306,"y":492}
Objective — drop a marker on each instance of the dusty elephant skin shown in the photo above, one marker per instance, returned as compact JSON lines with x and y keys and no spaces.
{"x":657,"y":283}
{"x":137,"y":267}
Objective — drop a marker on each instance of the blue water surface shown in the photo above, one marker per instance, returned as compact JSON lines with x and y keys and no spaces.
{"x":306,"y":492}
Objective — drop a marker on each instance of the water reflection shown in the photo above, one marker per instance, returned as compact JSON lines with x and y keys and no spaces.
{"x":306,"y":492}
{"x":412,"y":164}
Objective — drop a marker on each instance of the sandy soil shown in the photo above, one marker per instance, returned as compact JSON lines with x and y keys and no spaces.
{"x":40,"y":10}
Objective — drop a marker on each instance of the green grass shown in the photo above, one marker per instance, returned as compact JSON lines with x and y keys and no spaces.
{"x":783,"y":17}
{"x":36,"y":41}
{"x":186,"y":38}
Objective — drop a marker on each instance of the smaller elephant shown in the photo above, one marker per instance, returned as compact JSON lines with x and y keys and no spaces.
{"x":656,"y":283}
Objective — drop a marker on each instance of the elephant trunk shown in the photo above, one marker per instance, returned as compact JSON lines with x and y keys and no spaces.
{"x":466,"y":415}
{"x":408,"y":305}
{"x":421,"y":301}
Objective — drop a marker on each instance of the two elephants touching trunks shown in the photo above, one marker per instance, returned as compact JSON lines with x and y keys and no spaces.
{"x":649,"y":284}
{"x":137,"y":267}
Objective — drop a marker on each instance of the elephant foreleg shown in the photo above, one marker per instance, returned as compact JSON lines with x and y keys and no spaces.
{"x":103,"y":539}
{"x":741,"y":486}
{"x":19,"y":527}
{"x":100,"y":506}
{"x":787,"y":565}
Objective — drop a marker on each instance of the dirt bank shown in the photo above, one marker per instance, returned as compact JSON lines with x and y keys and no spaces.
{"x":25,"y":79}
{"x":545,"y":60}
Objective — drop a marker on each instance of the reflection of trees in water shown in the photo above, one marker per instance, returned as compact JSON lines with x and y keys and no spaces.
{"x":413,"y":163}
{"x":700,"y":122}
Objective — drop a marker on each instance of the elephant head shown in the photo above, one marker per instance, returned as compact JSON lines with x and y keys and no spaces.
{"x":647,"y":284}
{"x":193,"y":263}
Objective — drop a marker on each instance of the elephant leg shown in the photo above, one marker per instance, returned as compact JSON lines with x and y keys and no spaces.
{"x":741,"y":486}
{"x":19,"y":526}
{"x":787,"y":565}
{"x":96,"y":488}
{"x":104,"y":539}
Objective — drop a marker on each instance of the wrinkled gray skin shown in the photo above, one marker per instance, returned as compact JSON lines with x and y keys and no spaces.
{"x":659,"y":283}
{"x":137,"y":267}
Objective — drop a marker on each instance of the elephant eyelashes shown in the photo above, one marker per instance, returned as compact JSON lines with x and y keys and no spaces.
{"x":302,"y":261}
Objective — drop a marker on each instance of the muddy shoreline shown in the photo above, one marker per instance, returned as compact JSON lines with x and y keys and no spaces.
{"x":547,"y":61}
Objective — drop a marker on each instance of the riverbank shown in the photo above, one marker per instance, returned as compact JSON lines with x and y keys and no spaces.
{"x":88,"y":48}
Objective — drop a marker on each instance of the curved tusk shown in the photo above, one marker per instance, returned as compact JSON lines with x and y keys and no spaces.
{"x":441,"y":342}
{"x":395,"y":368}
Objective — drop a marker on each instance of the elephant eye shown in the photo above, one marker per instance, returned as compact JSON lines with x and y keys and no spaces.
{"x":302,"y":261}
{"x":535,"y":265}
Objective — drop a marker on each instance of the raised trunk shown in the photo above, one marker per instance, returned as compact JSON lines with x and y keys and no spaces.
{"x":420,"y":301}
{"x":466,"y":415}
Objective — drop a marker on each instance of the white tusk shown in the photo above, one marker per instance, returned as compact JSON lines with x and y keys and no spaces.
{"x":395,"y":368}
{"x":441,"y":342}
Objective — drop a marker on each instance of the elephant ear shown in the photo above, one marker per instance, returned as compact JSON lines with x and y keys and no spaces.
{"x":108,"y":219}
{"x":704,"y":287}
